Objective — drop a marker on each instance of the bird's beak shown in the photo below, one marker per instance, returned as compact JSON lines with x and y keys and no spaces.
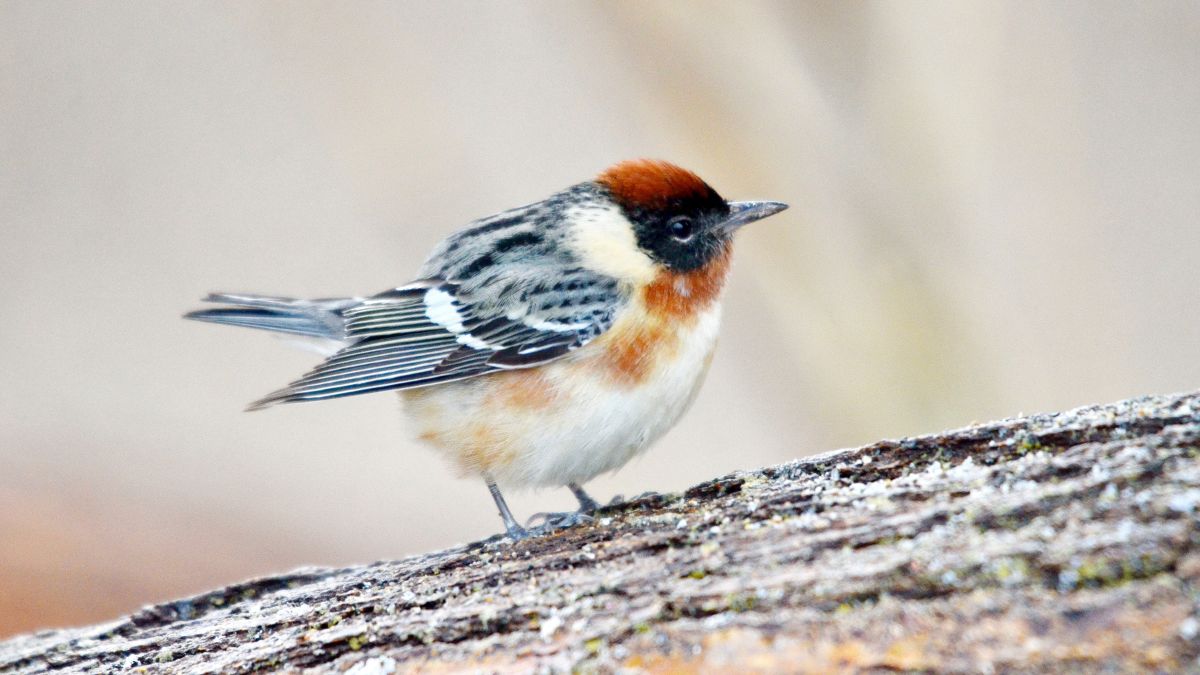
{"x":743,"y":213}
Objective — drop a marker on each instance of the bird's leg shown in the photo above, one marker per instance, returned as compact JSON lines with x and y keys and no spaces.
{"x":586,"y":503}
{"x":511,"y":527}
{"x":565,"y":519}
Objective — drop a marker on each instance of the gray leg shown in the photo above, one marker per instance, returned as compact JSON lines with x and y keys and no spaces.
{"x":586,"y":503}
{"x":558,"y":521}
{"x":511,"y":527}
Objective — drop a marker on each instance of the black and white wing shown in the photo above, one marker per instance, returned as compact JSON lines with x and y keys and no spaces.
{"x":436,"y":331}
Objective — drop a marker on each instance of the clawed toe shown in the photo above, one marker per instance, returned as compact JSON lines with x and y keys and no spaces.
{"x":558,"y":521}
{"x":517,"y":533}
{"x":542,"y":523}
{"x":620,"y":499}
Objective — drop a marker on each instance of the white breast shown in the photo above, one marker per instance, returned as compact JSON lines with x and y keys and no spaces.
{"x":610,"y":423}
{"x":570,"y":422}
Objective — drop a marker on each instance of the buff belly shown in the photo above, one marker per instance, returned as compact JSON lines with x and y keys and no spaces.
{"x":576,"y":418}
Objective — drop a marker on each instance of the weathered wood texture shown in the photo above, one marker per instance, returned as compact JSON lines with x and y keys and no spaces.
{"x":1054,"y":542}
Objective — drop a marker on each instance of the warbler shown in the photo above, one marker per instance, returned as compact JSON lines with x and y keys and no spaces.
{"x":541,"y":346}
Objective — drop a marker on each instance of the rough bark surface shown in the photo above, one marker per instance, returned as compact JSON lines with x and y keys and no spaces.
{"x":1053,"y":542}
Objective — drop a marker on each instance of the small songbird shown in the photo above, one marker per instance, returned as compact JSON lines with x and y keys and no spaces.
{"x":541,"y":346}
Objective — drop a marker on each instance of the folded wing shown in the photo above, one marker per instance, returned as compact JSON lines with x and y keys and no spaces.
{"x":434,"y":331}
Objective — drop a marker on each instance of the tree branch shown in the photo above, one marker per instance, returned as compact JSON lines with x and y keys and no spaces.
{"x":1056,"y":542}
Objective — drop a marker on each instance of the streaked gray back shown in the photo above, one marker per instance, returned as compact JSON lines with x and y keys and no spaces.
{"x":516,"y":263}
{"x":506,"y":292}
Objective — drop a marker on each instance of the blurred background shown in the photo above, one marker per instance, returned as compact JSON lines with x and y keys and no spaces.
{"x":994,"y":211}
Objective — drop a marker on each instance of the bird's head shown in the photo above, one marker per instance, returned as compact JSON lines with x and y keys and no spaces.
{"x":678,"y":220}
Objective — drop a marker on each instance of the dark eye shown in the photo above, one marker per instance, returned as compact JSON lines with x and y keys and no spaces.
{"x":681,"y":227}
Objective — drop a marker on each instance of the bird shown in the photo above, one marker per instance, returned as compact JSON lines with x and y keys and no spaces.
{"x":541,"y":346}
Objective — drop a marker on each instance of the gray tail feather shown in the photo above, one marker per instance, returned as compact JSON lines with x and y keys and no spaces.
{"x":313,"y":318}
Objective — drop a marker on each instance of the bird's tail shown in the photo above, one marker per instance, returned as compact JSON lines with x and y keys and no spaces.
{"x":310,"y":318}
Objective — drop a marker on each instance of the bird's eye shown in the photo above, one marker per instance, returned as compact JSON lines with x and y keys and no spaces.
{"x":681,"y":228}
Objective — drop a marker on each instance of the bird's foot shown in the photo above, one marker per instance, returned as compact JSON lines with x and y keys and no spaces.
{"x":558,"y":521}
{"x":515,"y":533}
{"x":620,"y":499}
{"x":512,"y":529}
{"x":588,"y":505}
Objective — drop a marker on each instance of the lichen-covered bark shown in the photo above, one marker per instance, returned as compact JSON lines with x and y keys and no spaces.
{"x":1057,"y":542}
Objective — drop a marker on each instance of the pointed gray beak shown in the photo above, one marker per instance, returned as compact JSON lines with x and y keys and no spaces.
{"x":743,"y":213}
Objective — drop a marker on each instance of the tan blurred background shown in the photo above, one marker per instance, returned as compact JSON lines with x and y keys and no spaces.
{"x":994,"y":210}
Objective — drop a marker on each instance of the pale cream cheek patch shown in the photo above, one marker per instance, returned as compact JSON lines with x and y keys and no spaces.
{"x":604,"y":238}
